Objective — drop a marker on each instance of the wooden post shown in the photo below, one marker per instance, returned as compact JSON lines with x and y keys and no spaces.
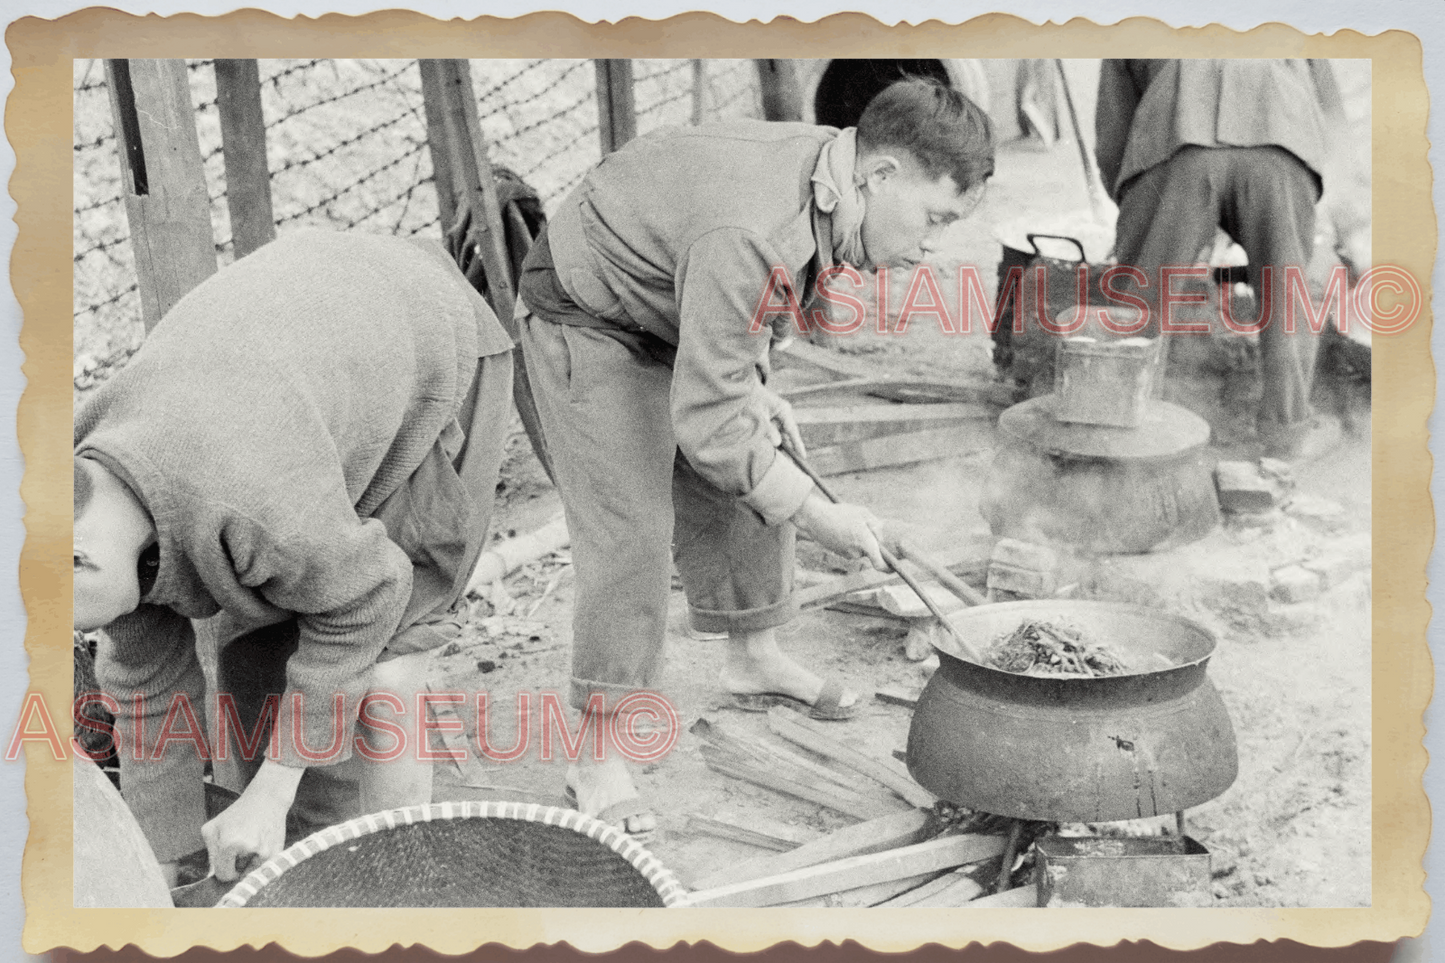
{"x":464,"y":173}
{"x":779,"y":90}
{"x":243,"y":147}
{"x":699,"y":90}
{"x":166,"y":203}
{"x":616,"y":112}
{"x":463,"y":176}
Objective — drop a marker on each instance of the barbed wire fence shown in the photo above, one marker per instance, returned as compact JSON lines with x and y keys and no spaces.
{"x":346,"y":145}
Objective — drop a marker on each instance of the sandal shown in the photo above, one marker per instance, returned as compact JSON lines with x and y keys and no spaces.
{"x":616,"y":814}
{"x":827,"y":707}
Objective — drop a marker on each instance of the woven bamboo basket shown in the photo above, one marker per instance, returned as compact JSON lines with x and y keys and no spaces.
{"x":463,"y":854}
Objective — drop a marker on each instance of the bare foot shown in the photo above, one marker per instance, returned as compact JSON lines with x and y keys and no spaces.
{"x":599,"y":785}
{"x":755,"y":664}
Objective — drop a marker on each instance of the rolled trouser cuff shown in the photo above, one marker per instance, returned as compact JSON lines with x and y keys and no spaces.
{"x":747,"y":620}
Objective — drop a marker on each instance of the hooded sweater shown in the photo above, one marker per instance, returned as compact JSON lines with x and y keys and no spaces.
{"x":265,"y":419}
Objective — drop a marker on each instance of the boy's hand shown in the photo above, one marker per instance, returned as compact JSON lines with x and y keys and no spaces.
{"x":254,"y":824}
{"x":849,"y":530}
{"x":782,"y":423}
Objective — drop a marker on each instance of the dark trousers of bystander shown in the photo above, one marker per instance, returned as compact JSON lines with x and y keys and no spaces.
{"x":1264,"y":198}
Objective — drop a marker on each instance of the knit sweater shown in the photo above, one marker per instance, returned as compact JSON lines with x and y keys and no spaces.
{"x":267,"y":416}
{"x":677,"y":234}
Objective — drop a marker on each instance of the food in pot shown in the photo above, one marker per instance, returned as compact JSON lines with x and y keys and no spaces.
{"x":1048,"y":648}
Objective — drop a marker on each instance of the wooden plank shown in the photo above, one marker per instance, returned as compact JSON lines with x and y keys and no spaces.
{"x":699,"y":90}
{"x":838,"y":425}
{"x":163,"y":181}
{"x":833,"y":361}
{"x":616,"y":113}
{"x":243,"y":149}
{"x":454,"y":130}
{"x":874,"y":894}
{"x":903,"y":449}
{"x":956,"y":885}
{"x":907,"y":698}
{"x":853,"y":872}
{"x":741,"y":767}
{"x":779,"y":87}
{"x":971,"y":558}
{"x":1019,"y":896}
{"x":753,"y":836}
{"x":767,"y":754}
{"x":804,"y":731}
{"x":875,"y":835}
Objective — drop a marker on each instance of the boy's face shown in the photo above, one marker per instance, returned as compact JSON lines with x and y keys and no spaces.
{"x":107,"y":585}
{"x":906,"y":211}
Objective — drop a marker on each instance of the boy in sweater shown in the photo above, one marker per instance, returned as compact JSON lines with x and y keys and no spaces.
{"x":641,"y":345}
{"x":303,"y":454}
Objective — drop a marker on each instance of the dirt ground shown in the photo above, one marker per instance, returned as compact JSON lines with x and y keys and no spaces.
{"x":1293,"y":829}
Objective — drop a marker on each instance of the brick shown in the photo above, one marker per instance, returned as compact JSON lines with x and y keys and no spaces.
{"x":1334,"y":567}
{"x":1029,"y":582}
{"x":1242,"y":487}
{"x":1295,"y":583}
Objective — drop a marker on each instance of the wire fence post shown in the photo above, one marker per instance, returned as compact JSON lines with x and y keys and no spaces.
{"x":699,"y":90}
{"x":164,"y":183}
{"x":616,"y":109}
{"x":459,"y":158}
{"x":779,"y":89}
{"x":243,"y":149}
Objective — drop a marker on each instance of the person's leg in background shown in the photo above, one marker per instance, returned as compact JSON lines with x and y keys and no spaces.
{"x":1167,"y":216}
{"x":1271,"y":213}
{"x":607,"y":420}
{"x":738,"y":575}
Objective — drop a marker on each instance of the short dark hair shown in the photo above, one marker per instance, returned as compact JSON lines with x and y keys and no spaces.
{"x":947,"y":132}
{"x":83,"y":488}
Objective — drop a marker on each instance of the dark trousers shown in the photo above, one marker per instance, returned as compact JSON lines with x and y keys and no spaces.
{"x":1264,"y":198}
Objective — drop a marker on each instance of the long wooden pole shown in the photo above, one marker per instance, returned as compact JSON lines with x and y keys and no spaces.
{"x":779,"y":88}
{"x":616,"y":110}
{"x":166,"y":202}
{"x":243,"y":147}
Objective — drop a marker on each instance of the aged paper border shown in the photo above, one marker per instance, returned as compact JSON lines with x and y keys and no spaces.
{"x":1404,"y":235}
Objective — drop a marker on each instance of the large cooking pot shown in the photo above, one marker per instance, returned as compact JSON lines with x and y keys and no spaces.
{"x":1070,"y":749}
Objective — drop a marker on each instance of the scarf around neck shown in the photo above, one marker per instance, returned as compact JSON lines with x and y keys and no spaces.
{"x":835,"y":193}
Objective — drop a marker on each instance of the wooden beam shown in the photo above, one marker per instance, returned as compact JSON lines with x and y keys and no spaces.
{"x":163,"y":181}
{"x":950,"y":889}
{"x":1019,"y":896}
{"x":903,"y":449}
{"x":833,"y":797}
{"x":783,"y":761}
{"x":699,"y":91}
{"x":936,"y":854}
{"x":971,"y":556}
{"x":243,"y":148}
{"x":616,"y":112}
{"x":842,"y":424}
{"x":779,"y":88}
{"x":457,"y":132}
{"x":771,"y":837}
{"x":873,"y":836}
{"x":805,"y":732}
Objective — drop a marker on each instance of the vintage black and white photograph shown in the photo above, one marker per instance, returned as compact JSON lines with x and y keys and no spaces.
{"x":934,"y":483}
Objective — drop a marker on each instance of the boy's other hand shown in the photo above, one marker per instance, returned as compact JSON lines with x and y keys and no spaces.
{"x":254,"y":824}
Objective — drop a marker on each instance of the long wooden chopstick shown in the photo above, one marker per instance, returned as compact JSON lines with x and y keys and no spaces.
{"x":889,"y":559}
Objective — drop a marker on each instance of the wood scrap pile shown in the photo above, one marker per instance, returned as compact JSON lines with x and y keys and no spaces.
{"x":910,"y":849}
{"x":926,"y":421}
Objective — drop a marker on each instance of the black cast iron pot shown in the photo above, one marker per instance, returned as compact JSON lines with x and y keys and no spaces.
{"x":1071,"y":749}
